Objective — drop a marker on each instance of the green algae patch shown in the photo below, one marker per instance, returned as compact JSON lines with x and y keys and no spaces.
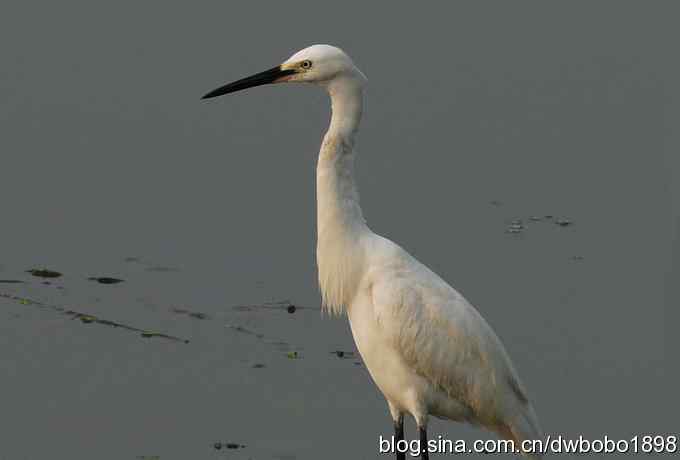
{"x":86,"y":318}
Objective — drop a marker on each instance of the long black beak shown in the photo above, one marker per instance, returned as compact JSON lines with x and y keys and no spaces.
{"x":262,"y":78}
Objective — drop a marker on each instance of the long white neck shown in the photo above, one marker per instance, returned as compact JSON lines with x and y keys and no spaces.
{"x":340,"y":223}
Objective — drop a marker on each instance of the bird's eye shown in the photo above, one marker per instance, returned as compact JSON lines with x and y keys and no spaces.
{"x":307,"y":64}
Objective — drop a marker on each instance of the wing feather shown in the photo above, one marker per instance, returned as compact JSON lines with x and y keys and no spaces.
{"x":443,"y":338}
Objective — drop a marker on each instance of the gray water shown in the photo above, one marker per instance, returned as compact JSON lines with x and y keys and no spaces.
{"x":477,"y":115}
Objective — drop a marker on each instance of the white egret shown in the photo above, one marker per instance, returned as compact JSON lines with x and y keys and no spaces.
{"x":427,"y":349}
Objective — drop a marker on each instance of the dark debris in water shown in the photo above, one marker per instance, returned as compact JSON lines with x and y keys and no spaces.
{"x":11,"y":281}
{"x":151,"y":334}
{"x":344,"y":354}
{"x":258,"y":366}
{"x":189,"y":313}
{"x":243,"y":330}
{"x":281,"y":305}
{"x":105,"y":279}
{"x":87,"y":318}
{"x":228,"y":445}
{"x":517,"y":226}
{"x":44,"y":273}
{"x":281,"y":345}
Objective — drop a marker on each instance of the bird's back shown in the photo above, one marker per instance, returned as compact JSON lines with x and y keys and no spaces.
{"x":445,"y":342}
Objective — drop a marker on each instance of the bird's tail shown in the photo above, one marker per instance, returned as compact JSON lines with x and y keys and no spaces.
{"x":522,"y":429}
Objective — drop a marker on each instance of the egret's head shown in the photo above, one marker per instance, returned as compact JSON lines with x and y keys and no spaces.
{"x":317,"y":64}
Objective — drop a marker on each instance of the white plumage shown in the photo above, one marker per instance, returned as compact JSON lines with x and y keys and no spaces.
{"x":427,"y":349}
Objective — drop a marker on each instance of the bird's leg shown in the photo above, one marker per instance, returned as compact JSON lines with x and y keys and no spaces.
{"x":399,"y":436}
{"x":424,"y":455}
